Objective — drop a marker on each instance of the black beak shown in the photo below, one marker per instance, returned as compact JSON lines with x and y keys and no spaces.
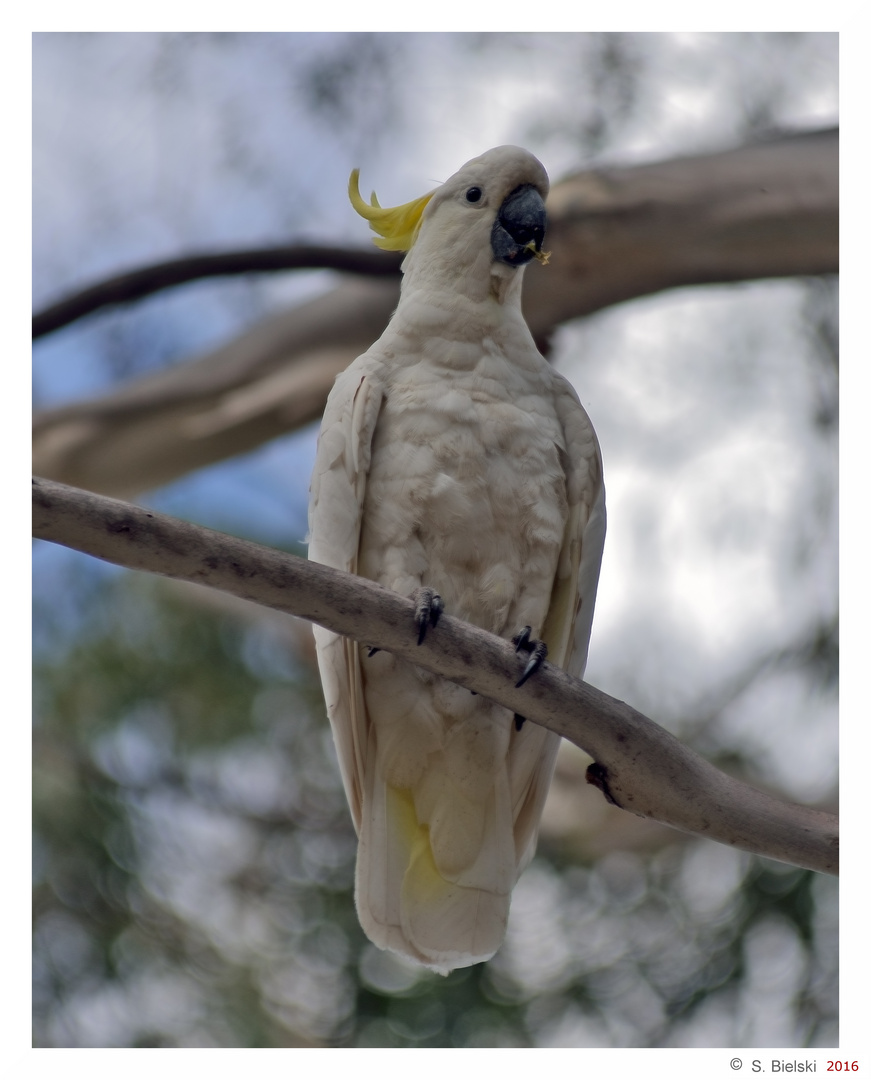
{"x":520,"y":223}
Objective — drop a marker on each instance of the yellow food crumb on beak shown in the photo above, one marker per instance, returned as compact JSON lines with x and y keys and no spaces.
{"x":542,"y":256}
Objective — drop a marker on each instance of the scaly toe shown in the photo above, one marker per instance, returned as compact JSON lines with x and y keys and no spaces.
{"x":428,"y":607}
{"x":537,"y":653}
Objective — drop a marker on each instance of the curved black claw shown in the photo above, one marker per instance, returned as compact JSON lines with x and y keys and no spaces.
{"x":428,"y":606}
{"x":537,"y":652}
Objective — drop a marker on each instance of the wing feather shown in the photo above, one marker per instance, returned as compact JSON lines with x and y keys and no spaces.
{"x":335,"y":516}
{"x":570,"y":616}
{"x":569,"y":619}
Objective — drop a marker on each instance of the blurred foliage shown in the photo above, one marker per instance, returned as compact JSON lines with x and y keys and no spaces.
{"x":193,"y":879}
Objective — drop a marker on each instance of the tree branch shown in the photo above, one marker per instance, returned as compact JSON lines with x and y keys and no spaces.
{"x":637,"y":765}
{"x":137,"y":284}
{"x":272,"y":380}
{"x":761,"y":211}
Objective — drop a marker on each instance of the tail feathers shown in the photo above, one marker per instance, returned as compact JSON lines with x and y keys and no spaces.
{"x":471,"y":831}
{"x":451,"y":925}
{"x":407,"y":905}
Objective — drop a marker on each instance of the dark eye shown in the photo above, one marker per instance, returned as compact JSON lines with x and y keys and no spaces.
{"x":473,"y":194}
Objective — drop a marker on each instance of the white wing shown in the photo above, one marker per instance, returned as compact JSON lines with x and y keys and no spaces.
{"x":335,"y":515}
{"x":570,"y":615}
{"x":570,"y":618}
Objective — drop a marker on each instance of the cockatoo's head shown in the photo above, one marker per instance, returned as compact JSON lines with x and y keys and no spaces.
{"x":487,"y":217}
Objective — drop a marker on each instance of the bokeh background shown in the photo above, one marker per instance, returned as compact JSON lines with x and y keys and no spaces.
{"x":193,"y":855}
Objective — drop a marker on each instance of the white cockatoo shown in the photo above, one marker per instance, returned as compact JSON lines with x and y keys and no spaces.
{"x":453,"y":460}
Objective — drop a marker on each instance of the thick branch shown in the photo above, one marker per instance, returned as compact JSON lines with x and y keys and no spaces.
{"x":769,"y":210}
{"x":270,"y":381}
{"x":760,"y":211}
{"x":638,"y":765}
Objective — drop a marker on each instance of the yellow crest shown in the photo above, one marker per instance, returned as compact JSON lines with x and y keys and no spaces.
{"x":397,"y":226}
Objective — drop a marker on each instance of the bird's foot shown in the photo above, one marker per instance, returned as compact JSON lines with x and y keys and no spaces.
{"x":537,"y":652}
{"x":428,"y":606}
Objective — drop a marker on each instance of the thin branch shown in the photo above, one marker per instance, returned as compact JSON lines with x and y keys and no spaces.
{"x":637,"y":765}
{"x":136,"y":284}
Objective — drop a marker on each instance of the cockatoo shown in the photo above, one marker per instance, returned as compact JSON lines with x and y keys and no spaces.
{"x":454,"y":460}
